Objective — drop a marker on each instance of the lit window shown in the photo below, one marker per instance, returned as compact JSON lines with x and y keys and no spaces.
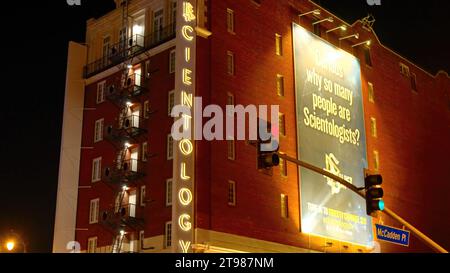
{"x":284,"y":206}
{"x":282,"y":124}
{"x":231,"y":193}
{"x":169,"y":192}
{"x":367,"y":56}
{"x":278,"y":45}
{"x":101,"y":92}
{"x":172,"y":61}
{"x":230,"y":63}
{"x":96,"y":169}
{"x":376,"y":161}
{"x":230,"y":20}
{"x":373,"y":127}
{"x":94,"y":211}
{"x":98,"y":131}
{"x":231,"y":149}
{"x":146,"y":109}
{"x":142,"y":196}
{"x":283,"y":167}
{"x":168,"y":235}
{"x":280,"y":85}
{"x":413,"y":82}
{"x":92,"y":245}
{"x":169,"y":147}
{"x":371,"y":93}
{"x":171,"y":102}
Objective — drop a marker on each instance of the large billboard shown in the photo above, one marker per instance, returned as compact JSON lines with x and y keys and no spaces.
{"x":331,"y":135}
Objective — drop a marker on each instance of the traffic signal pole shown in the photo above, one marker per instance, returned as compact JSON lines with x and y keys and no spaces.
{"x":425,"y":239}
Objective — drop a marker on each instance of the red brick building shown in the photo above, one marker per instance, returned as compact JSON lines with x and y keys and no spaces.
{"x":119,"y":167}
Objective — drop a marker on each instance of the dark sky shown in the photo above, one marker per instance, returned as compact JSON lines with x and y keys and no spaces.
{"x":34,"y":49}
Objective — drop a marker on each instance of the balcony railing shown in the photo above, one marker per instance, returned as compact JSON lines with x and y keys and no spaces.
{"x":134,"y":86}
{"x":130,"y":170}
{"x":130,"y":128}
{"x":125,"y":50}
{"x":129,"y":215}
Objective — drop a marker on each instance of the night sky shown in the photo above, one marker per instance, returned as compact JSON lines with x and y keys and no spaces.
{"x":34,"y":51}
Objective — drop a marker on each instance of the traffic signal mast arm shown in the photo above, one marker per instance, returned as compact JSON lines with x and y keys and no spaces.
{"x":425,"y":239}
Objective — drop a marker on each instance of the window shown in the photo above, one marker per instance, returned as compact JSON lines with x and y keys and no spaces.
{"x":282,"y":124}
{"x":101,"y":92}
{"x":278,"y":45}
{"x":367,"y":56}
{"x":172,"y":61}
{"x":413,"y":82}
{"x":231,"y":193}
{"x":371,"y":92}
{"x":171,"y":102}
{"x":230,"y":63}
{"x":96,"y":169}
{"x":376,"y":161}
{"x":284,"y":206}
{"x":230,"y":20}
{"x":147,"y":69}
{"x":230,"y":99}
{"x":158,"y":21}
{"x":142,"y":196}
{"x":92,"y":245}
{"x":404,"y":70}
{"x":174,"y":16}
{"x":98,"y":131}
{"x":231,"y":149}
{"x":93,"y":211}
{"x":141,"y":239}
{"x":317,"y":29}
{"x":105,"y":48}
{"x":373,"y":127}
{"x":168,"y":235}
{"x":283,"y":167}
{"x":280,"y":85}
{"x":146,"y":109}
{"x":169,"y":147}
{"x":145,"y":151}
{"x":169,"y":192}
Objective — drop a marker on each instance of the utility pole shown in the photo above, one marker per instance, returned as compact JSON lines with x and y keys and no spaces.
{"x":425,"y":239}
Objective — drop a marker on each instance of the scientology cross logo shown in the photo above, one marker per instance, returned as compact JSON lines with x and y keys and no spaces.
{"x":374,"y":2}
{"x":73,"y":2}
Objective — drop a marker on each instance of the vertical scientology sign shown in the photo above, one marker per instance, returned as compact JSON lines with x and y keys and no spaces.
{"x":331,"y":135}
{"x":184,"y":152}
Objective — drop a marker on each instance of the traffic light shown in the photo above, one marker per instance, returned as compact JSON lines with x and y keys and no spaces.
{"x":267,"y":151}
{"x":374,"y":193}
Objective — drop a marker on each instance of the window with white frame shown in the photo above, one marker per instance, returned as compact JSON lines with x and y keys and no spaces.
{"x":171,"y":102}
{"x":172,"y":61}
{"x":98,"y":130}
{"x":94,"y":211}
{"x":230,"y":20}
{"x":169,"y":192}
{"x":96,"y":169}
{"x":169,"y":147}
{"x":231,"y":193}
{"x":92,"y":245}
{"x":284,"y":206}
{"x":142,"y":196}
{"x":168,"y":235}
{"x":101,"y":92}
{"x":230,"y":63}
